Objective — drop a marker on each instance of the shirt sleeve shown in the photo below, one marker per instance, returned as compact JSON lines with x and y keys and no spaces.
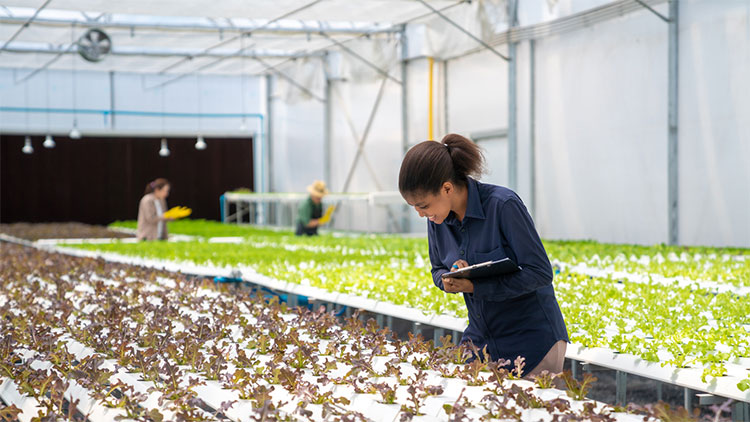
{"x":304,"y":214}
{"x":518,"y":229}
{"x":438,"y":269}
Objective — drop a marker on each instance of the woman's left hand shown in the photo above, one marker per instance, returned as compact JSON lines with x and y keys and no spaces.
{"x":458,"y":285}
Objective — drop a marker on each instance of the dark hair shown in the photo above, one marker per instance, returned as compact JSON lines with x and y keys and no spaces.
{"x":429,"y":164}
{"x":156,"y":184}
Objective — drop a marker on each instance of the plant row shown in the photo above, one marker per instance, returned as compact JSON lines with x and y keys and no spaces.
{"x":676,"y":325}
{"x":727,"y":265}
{"x":155,"y":346}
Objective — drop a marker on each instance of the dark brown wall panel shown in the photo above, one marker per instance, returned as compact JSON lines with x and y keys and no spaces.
{"x":99,"y":180}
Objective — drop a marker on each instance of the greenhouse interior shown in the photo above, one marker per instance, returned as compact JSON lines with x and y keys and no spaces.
{"x":375,"y":210}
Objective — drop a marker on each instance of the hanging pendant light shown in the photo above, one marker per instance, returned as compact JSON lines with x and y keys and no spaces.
{"x":48,"y":142}
{"x":164,"y":150}
{"x":27,"y":148}
{"x":200,"y":143}
{"x":75,"y":133}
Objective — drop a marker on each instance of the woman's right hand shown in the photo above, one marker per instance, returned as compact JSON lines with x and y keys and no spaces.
{"x":459,"y":264}
{"x":454,"y":285}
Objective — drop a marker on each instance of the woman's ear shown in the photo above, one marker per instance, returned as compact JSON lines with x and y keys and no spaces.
{"x":448,"y":188}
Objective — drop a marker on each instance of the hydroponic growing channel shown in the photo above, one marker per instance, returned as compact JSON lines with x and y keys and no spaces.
{"x":85,"y":339}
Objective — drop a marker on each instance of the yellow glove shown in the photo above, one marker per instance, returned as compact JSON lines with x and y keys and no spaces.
{"x":178,"y":212}
{"x":327,"y":216}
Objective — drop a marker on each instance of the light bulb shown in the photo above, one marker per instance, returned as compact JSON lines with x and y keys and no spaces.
{"x":164,"y":150}
{"x":74,"y":133}
{"x":200,"y":143}
{"x":243,"y":126}
{"x":49,"y":142}
{"x":27,"y":148}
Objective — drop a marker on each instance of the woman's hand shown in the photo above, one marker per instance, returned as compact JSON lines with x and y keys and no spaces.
{"x":458,"y":285}
{"x":459,"y":264}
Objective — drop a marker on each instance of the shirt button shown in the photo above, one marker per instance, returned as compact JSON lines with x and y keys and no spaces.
{"x":463,"y":229}
{"x":462,"y":252}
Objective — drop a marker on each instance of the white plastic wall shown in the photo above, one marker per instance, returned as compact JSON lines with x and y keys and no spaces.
{"x":714,"y":146}
{"x":133,"y":92}
{"x":601,"y":132}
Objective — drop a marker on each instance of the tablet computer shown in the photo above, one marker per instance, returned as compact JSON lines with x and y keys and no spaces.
{"x":485,"y":269}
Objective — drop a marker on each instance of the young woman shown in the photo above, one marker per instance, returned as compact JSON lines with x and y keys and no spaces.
{"x":472,"y":222}
{"x":152,"y":225}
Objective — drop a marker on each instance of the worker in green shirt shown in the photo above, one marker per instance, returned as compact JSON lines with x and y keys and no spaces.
{"x":311,"y":209}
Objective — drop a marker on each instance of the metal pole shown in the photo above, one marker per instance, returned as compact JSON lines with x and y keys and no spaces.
{"x":269,"y":131}
{"x":112,"y":99}
{"x":327,"y":116}
{"x":25,"y":25}
{"x":446,"y":109}
{"x":512,"y":117}
{"x":405,"y":113}
{"x":688,"y":399}
{"x":673,"y":94}
{"x":462,"y":29}
{"x":621,"y":390}
{"x":532,"y":127}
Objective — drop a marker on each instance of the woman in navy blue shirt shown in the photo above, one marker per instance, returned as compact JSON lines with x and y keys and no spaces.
{"x":472,"y":222}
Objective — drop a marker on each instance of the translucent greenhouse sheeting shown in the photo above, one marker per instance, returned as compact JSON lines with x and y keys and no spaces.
{"x":203,"y":25}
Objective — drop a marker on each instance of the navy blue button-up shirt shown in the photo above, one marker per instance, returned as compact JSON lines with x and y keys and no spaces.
{"x":514,"y":314}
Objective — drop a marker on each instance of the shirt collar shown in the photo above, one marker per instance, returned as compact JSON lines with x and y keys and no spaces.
{"x":473,"y":204}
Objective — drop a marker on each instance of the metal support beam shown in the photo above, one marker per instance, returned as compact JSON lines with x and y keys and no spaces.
{"x":512,"y":101}
{"x":327,"y":124}
{"x":52,"y":18}
{"x":532,"y":128}
{"x":269,"y":133}
{"x":357,"y":56}
{"x":463,"y":30}
{"x":25,"y":25}
{"x":706,"y":399}
{"x":621,"y":391}
{"x":360,"y":146}
{"x":652,"y":10}
{"x":146,"y":51}
{"x":405,"y":223}
{"x":446,"y":107}
{"x":289,"y":79}
{"x":488,"y":134}
{"x":439,"y":332}
{"x":687,"y":395}
{"x":574,"y":368}
{"x":672,"y":112}
{"x":47,"y":64}
{"x":741,"y":412}
{"x":112,"y":99}
{"x":659,"y":390}
{"x":242,"y":34}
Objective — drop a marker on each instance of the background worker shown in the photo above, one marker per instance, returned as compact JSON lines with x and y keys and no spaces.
{"x":311,"y":209}
{"x":152,"y":225}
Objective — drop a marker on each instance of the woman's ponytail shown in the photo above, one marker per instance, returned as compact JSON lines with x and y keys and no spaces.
{"x":467,"y":157}
{"x":429,"y":164}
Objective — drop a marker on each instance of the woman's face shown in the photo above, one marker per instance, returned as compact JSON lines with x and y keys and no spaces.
{"x":435,"y":207}
{"x":162,"y":193}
